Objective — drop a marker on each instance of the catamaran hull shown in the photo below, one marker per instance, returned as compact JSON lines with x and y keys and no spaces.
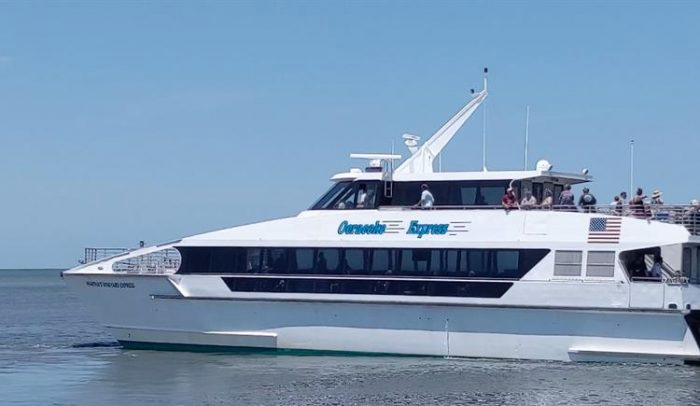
{"x":148,"y":312}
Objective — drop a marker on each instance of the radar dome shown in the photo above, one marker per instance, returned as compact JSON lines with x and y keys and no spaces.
{"x":543,"y":165}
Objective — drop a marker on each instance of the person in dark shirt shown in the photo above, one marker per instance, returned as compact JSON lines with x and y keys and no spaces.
{"x":566,"y":199}
{"x":509,"y":201}
{"x":587,"y":201}
{"x":637,"y":204}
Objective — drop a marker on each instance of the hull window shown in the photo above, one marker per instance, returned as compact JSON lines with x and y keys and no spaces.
{"x":349,"y":286}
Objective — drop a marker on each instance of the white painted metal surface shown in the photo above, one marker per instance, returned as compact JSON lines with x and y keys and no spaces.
{"x":542,"y":316}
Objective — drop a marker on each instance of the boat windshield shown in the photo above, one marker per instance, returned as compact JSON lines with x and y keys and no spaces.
{"x":349,"y":195}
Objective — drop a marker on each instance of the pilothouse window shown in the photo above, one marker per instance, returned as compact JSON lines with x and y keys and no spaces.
{"x":349,"y":195}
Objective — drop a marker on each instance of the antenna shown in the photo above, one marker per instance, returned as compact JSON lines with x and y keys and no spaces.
{"x":631,"y":168}
{"x":483,"y":134}
{"x":527,"y":133}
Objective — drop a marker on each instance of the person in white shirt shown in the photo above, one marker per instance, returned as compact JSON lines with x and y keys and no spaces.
{"x":362,"y":197}
{"x":529,"y":201}
{"x":426,"y":198}
{"x":656,"y":269}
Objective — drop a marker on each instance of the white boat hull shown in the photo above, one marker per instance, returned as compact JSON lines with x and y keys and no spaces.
{"x":147,"y":311}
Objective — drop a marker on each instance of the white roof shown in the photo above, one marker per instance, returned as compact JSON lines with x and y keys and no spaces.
{"x":557,"y":177}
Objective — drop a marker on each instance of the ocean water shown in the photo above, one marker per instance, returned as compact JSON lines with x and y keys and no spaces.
{"x":52,"y":352}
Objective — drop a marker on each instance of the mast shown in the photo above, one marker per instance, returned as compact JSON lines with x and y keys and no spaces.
{"x":422,"y":159}
{"x":527,"y":134}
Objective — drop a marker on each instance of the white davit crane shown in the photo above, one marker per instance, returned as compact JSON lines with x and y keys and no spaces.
{"x":421,"y":160}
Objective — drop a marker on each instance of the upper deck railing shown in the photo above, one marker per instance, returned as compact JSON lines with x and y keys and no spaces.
{"x":159,"y":262}
{"x":96,"y":254}
{"x":686,"y":215}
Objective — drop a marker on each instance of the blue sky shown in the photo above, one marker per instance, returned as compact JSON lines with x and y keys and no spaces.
{"x":127,"y":121}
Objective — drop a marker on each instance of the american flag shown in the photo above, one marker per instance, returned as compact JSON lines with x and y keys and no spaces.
{"x":604,"y":230}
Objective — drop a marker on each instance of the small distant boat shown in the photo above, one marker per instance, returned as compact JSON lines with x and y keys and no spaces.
{"x":366,"y":269}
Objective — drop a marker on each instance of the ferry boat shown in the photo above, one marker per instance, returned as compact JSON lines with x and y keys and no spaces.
{"x":365,"y":269}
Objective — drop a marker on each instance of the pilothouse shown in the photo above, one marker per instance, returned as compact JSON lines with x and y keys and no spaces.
{"x":368,"y":269}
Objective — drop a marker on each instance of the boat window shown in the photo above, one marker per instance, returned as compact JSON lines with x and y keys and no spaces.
{"x":224,"y":260}
{"x":381,"y":261}
{"x":354,"y":261}
{"x":491,"y":195}
{"x":304,"y":260}
{"x":600,"y":264}
{"x":415,"y":262}
{"x":468,"y":195}
{"x":567,"y":263}
{"x":349,"y":195}
{"x":454,"y":193}
{"x":507,"y":263}
{"x":557,"y":193}
{"x":537,"y":191}
{"x":275,"y":260}
{"x":328,"y":260}
{"x":254,"y":257}
{"x":638,"y":263}
{"x":330,"y":196}
{"x":420,"y":287}
{"x":691,"y":264}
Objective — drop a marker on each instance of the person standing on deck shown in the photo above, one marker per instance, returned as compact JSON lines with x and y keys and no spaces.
{"x":587,"y":201}
{"x":566,"y":199}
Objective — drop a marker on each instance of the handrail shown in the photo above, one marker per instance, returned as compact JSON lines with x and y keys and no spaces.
{"x":93,"y":254}
{"x":686,"y":215}
{"x":159,"y":262}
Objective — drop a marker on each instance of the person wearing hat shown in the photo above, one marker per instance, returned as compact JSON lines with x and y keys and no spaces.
{"x":655,"y":206}
{"x":509,"y":201}
{"x":587,"y":201}
{"x":691,"y":217}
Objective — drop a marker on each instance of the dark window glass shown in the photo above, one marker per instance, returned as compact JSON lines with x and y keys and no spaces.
{"x":328,"y":261}
{"x":416,"y":262}
{"x":304,"y":260}
{"x":196,"y":260}
{"x":275,"y":260}
{"x":355,"y":261}
{"x":350,"y":195}
{"x":369,"y":287}
{"x":507,"y":263}
{"x":468,"y":195}
{"x":381,"y":262}
{"x":491,"y":194}
{"x":226,"y":259}
{"x":367,"y":195}
{"x":254,"y":260}
{"x":331,"y":195}
{"x":477,"y":264}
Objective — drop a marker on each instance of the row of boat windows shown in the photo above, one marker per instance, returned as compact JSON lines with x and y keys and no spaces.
{"x":370,"y":194}
{"x":369,"y":287}
{"x":473,"y":263}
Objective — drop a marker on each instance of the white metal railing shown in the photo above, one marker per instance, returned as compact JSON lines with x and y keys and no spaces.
{"x":686,"y":215}
{"x":160,"y":262}
{"x":96,"y":254}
